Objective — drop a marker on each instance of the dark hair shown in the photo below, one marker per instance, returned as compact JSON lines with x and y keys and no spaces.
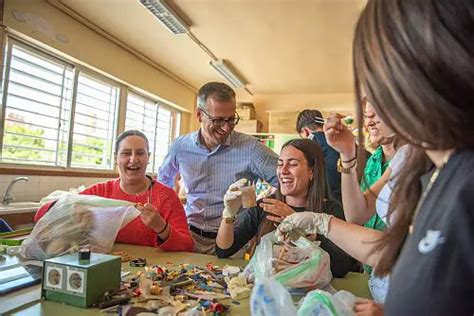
{"x":125,"y":134}
{"x":306,"y":119}
{"x":414,"y":59}
{"x":318,"y":187}
{"x":217,"y":90}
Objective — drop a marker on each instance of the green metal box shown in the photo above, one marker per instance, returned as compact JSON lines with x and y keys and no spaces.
{"x":81,"y":283}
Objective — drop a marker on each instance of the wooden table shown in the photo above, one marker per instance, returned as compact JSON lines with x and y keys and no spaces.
{"x":353,"y":282}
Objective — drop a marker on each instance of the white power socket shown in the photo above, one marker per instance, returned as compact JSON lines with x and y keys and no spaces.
{"x":54,"y":277}
{"x":75,"y":280}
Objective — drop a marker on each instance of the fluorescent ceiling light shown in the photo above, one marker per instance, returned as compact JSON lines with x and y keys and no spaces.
{"x":223,"y":68}
{"x":161,"y":10}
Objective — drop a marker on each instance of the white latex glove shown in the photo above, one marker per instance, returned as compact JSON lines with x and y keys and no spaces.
{"x":306,"y":223}
{"x":233,"y":199}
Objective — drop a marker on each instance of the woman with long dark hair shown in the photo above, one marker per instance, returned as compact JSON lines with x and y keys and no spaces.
{"x":302,"y":187}
{"x":414,"y":59}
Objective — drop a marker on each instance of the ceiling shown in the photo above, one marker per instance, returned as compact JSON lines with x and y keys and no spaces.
{"x":278,"y":46}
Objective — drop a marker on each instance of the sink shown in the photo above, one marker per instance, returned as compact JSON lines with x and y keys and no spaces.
{"x":19,"y":207}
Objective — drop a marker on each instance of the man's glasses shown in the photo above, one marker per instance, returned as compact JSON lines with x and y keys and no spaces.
{"x":220,"y":122}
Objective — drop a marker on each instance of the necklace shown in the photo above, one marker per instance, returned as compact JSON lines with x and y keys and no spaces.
{"x":432,"y":180}
{"x":142,"y":190}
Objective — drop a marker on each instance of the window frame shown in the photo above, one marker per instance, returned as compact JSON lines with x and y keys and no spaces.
{"x":173,"y":131}
{"x":119,"y":116}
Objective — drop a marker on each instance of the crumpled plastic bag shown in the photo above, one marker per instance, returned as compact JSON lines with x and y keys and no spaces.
{"x":313,"y":270}
{"x":58,"y":194}
{"x":322,"y":303}
{"x":270,"y":298}
{"x":78,"y":221}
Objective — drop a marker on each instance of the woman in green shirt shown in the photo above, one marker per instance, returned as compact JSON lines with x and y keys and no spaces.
{"x":380,"y":134}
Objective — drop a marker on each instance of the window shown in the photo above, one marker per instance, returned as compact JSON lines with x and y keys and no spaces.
{"x":94,"y":123}
{"x":154,"y":121}
{"x":37,"y":109}
{"x":164,"y":123}
{"x":55,"y":113}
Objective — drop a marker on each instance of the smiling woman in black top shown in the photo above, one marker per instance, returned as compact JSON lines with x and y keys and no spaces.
{"x":302,"y":186}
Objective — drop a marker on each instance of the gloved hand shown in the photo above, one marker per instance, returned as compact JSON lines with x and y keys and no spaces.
{"x":305,"y":223}
{"x":233,"y":199}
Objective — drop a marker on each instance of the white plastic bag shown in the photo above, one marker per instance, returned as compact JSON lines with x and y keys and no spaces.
{"x":270,"y":298}
{"x":311,"y":273}
{"x":322,"y":303}
{"x":76,"y":221}
{"x":58,"y":194}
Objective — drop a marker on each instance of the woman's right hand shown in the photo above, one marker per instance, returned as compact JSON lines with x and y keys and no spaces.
{"x":303,"y":223}
{"x":233,"y":199}
{"x":339,"y":136}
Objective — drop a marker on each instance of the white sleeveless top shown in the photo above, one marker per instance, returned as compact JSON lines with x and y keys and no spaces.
{"x":396,"y":165}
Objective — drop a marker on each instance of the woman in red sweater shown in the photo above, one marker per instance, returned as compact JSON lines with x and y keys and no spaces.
{"x":162,"y":222}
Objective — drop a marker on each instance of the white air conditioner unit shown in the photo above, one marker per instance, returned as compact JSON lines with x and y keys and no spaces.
{"x":163,"y":12}
{"x":223,"y":68}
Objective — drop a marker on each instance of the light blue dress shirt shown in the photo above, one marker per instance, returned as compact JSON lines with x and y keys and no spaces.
{"x":208,"y":174}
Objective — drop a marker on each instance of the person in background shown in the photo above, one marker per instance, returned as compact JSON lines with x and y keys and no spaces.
{"x":411,"y":57}
{"x":162,"y":222}
{"x":359,"y":200}
{"x":308,"y":127}
{"x":381,"y":136}
{"x":360,"y":206}
{"x":302,"y":187}
{"x":209,"y":160}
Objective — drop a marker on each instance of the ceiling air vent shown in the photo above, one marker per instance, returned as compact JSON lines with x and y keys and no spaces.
{"x":162,"y":11}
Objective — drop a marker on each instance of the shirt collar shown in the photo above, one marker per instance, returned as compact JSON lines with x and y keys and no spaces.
{"x":377,"y":155}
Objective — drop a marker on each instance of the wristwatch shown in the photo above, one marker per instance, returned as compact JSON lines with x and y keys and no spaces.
{"x":230,"y":220}
{"x":342,"y":169}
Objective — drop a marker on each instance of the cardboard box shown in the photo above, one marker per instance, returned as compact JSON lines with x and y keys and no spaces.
{"x":282,"y":121}
{"x":246,"y":111}
{"x":248,"y":126}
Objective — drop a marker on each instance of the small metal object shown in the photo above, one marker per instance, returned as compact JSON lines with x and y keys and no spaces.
{"x":139,"y":262}
{"x":346,"y":120}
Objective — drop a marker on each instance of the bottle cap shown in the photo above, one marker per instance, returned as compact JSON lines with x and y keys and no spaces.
{"x":84,"y":254}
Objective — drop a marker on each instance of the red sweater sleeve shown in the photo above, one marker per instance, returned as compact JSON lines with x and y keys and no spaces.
{"x":172,"y":211}
{"x":43,"y":210}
